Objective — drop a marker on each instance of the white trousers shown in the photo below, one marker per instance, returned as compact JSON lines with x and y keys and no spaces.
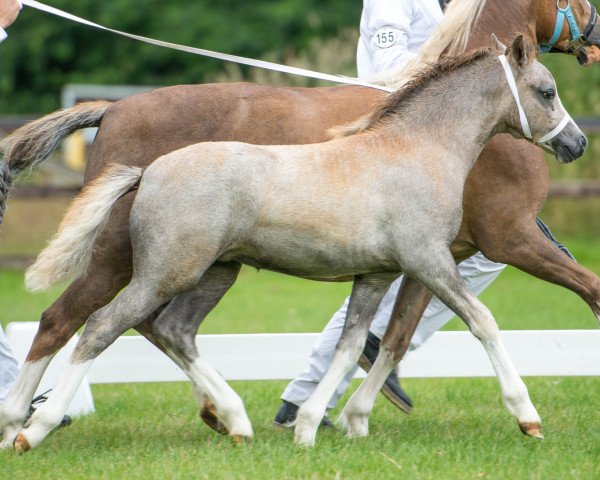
{"x":8,"y":366}
{"x":479,"y":273}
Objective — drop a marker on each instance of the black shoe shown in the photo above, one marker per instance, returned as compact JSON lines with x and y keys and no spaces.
{"x":391,"y":388}
{"x":286,"y":417}
{"x":65,"y":422}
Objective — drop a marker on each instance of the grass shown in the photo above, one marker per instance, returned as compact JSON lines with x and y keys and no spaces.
{"x":459,"y":431}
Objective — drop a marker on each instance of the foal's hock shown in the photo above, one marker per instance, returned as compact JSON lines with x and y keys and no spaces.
{"x":371,"y":205}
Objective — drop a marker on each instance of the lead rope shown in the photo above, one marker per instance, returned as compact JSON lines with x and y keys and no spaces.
{"x":209,"y":53}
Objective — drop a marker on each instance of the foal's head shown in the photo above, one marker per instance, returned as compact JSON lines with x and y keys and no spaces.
{"x":549,"y":123}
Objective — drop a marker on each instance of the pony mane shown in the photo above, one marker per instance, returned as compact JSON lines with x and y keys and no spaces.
{"x":451,"y":37}
{"x":427,"y":74}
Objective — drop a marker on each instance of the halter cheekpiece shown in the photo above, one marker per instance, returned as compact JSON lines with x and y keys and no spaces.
{"x":578,"y":39}
{"x":524,"y":123}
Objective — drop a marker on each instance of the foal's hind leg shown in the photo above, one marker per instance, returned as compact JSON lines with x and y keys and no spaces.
{"x":149,"y":289}
{"x":174,"y":331}
{"x":57,"y":325}
{"x":367,"y":292}
{"x":102,"y":328}
{"x":410,"y":304}
{"x":440,"y":274}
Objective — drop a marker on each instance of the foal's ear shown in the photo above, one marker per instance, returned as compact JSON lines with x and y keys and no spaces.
{"x":500,"y":47}
{"x":522,"y":51}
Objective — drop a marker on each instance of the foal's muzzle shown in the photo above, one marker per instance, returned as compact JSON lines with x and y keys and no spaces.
{"x":569,"y":144}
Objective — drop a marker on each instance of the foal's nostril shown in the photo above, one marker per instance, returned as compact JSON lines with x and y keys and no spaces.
{"x":583,"y":141}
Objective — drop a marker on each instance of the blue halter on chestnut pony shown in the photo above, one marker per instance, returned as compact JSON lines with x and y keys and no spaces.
{"x":578,"y":39}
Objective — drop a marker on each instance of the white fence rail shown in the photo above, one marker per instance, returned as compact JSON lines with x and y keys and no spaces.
{"x":282,"y":356}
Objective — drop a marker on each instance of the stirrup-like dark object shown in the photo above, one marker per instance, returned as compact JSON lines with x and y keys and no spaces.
{"x":66,"y":420}
{"x":546,"y":231}
{"x":391,"y":388}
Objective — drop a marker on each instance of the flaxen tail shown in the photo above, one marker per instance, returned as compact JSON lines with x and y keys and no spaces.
{"x":70,"y":251}
{"x":33,"y":143}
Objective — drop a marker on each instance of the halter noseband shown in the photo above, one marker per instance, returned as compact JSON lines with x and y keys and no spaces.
{"x":578,"y":39}
{"x":524,"y":123}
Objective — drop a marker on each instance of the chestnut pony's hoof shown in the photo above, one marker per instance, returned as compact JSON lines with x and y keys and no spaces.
{"x":21,"y":444}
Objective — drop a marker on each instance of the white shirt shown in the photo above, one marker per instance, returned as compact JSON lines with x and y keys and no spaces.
{"x":393,"y":31}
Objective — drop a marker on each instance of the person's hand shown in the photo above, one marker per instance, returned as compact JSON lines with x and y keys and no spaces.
{"x":9,"y":10}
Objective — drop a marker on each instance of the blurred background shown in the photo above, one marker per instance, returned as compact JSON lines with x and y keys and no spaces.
{"x":49,"y":63}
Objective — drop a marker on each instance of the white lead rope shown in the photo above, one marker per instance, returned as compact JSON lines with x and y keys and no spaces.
{"x":524,"y":123}
{"x":209,"y":53}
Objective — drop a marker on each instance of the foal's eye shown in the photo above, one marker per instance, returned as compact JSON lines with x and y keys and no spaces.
{"x":549,"y":94}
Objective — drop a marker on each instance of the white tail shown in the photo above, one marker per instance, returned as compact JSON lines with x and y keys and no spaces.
{"x":70,"y":251}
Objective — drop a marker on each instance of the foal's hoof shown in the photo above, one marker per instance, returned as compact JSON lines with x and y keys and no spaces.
{"x":21,"y":445}
{"x":208,"y":414}
{"x":533,"y":429}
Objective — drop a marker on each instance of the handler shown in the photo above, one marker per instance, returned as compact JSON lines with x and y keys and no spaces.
{"x":9,"y":11}
{"x":391,"y":34}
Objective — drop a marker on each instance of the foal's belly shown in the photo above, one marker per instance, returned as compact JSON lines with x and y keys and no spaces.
{"x":314,"y":258}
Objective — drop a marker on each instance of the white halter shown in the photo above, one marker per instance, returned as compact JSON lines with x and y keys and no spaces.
{"x":524,"y":123}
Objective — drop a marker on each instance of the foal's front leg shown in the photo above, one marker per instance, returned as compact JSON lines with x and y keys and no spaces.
{"x":367,"y":293}
{"x":411,"y":302}
{"x":439,"y":273}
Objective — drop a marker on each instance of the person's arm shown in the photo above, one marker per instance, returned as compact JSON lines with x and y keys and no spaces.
{"x":385,"y":31}
{"x":9,"y":10}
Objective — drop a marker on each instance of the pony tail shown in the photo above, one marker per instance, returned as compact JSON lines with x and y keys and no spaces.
{"x":70,"y":251}
{"x":34,"y":142}
{"x":5,"y":184}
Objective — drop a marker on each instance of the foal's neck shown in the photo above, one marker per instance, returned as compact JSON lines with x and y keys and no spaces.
{"x":458,"y":112}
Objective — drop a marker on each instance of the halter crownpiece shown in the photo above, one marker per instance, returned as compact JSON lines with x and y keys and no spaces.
{"x":578,"y":39}
{"x":524,"y":123}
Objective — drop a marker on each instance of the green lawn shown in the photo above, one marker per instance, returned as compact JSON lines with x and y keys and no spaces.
{"x":459,"y":429}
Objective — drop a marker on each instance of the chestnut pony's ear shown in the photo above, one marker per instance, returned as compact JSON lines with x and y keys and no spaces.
{"x":500,"y":47}
{"x":522,"y":51}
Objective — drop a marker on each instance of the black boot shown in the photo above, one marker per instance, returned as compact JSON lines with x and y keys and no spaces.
{"x":286,"y":417}
{"x":391,"y":388}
